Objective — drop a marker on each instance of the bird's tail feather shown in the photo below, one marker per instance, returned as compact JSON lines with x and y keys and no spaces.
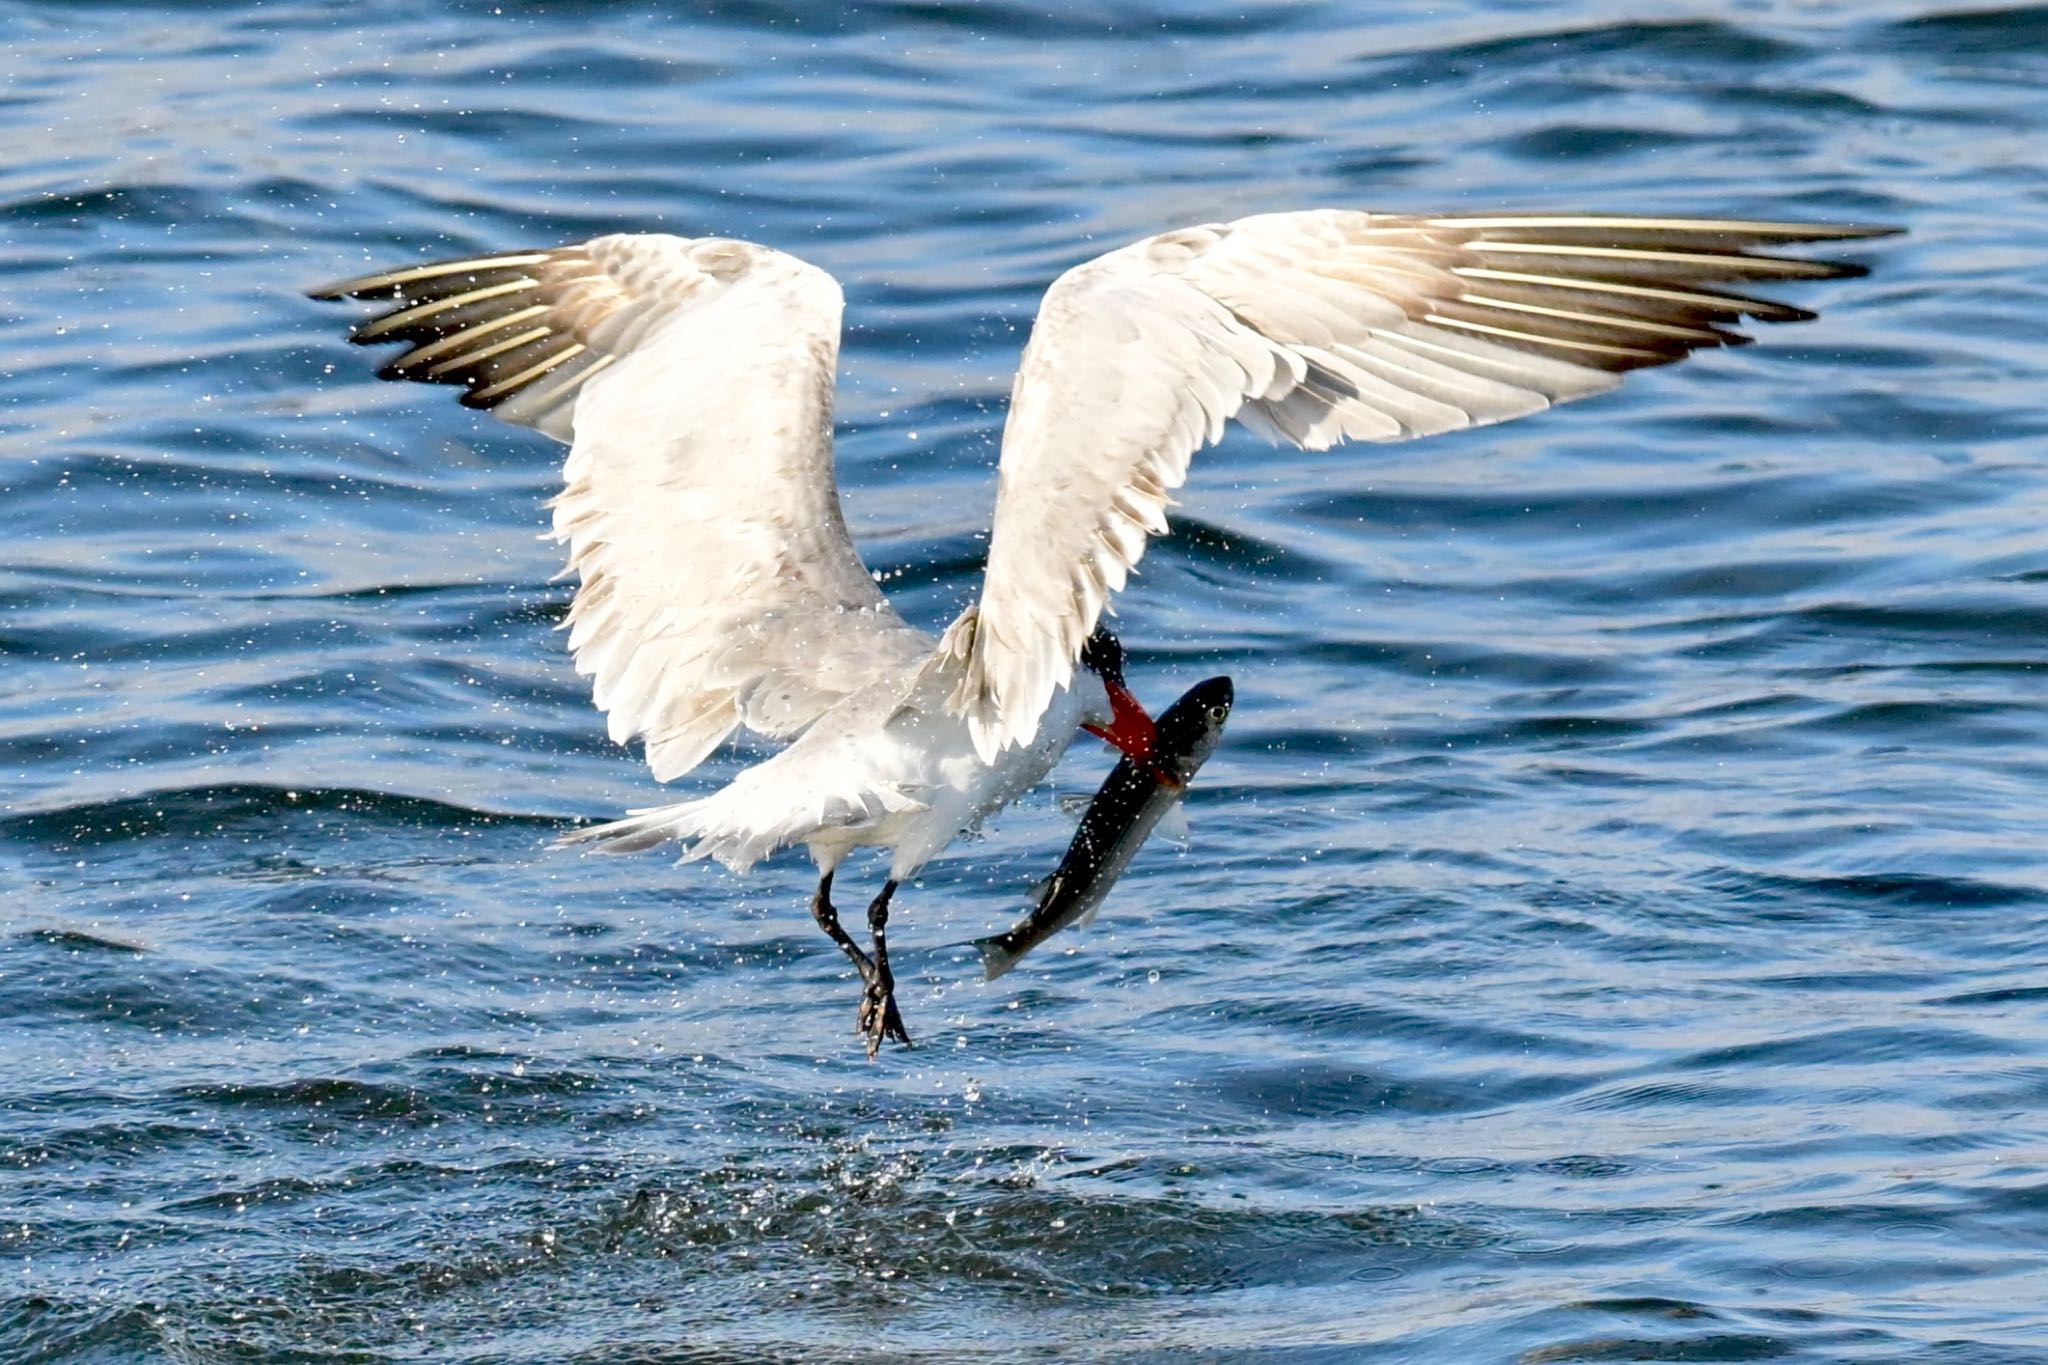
{"x":731,"y":828}
{"x":694,"y":824}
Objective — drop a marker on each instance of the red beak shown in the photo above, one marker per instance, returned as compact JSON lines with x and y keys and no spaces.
{"x":1130,"y":728}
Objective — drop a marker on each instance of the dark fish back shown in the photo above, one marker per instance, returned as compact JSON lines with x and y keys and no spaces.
{"x":1116,"y":803}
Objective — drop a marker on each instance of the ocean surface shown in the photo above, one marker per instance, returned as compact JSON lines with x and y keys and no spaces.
{"x":1616,"y":926}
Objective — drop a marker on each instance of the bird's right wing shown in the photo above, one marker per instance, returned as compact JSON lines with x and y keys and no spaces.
{"x":694,"y":378}
{"x":1315,"y":328}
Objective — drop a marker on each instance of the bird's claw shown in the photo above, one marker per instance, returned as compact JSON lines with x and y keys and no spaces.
{"x":880,"y":1019}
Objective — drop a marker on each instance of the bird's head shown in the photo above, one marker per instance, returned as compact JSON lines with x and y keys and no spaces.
{"x":1130,"y":728}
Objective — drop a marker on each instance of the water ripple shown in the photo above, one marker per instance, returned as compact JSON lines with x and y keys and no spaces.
{"x":1614,"y":924}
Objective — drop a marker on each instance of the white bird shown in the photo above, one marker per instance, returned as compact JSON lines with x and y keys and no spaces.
{"x":720,"y":589}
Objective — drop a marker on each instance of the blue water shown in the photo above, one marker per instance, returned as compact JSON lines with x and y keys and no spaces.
{"x":1617,"y":922}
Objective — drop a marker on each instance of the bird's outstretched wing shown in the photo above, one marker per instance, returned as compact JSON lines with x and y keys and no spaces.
{"x":1314,"y":327}
{"x":694,"y":379}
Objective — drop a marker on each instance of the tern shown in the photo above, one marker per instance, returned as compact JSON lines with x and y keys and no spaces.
{"x":721,"y":591}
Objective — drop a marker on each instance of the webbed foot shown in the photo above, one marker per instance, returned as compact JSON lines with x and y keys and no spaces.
{"x":879,"y":1017}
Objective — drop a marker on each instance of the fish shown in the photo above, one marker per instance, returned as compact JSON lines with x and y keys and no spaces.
{"x":1137,"y":795}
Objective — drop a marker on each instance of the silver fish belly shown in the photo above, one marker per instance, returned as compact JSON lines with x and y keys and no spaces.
{"x":1126,"y":809}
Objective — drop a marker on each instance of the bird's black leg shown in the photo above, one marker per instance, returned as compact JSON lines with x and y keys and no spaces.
{"x":828,"y":920}
{"x":879,"y":1018}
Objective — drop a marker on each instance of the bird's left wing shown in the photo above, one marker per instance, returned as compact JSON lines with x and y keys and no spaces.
{"x":694,"y":378}
{"x":1315,"y":328}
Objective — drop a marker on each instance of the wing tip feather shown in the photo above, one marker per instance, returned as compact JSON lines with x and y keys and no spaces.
{"x":1784,"y":231}
{"x":386,"y":283}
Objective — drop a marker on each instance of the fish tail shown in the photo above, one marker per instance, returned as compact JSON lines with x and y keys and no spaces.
{"x":997,"y":955}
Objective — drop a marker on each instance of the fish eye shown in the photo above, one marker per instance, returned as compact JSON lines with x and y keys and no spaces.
{"x":1216,"y":714}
